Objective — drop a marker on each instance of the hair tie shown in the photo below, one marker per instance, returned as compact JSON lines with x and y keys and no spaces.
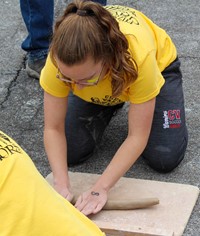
{"x":82,"y":12}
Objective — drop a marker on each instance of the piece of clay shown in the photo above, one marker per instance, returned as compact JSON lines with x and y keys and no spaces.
{"x":130,"y":200}
{"x":127,"y":204}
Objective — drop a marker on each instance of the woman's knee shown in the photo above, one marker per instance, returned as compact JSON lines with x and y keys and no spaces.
{"x":164,"y":159}
{"x":77,"y":154}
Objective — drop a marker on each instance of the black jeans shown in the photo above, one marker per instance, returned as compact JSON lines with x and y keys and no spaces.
{"x":86,"y":122}
{"x":169,"y":137}
{"x":85,"y":125}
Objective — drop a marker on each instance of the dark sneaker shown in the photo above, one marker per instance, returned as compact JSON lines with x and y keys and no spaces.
{"x":33,"y":68}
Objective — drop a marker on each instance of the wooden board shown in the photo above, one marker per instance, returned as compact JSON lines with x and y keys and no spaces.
{"x":133,"y":231}
{"x":169,"y":217}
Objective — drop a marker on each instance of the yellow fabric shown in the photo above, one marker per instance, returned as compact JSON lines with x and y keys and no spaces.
{"x":151,"y":48}
{"x":29,"y":206}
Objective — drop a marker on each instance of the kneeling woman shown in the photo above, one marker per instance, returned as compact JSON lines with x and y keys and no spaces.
{"x":101,"y":57}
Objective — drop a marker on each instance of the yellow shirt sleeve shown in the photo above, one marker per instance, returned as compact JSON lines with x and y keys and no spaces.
{"x":50,"y":83}
{"x":148,"y":83}
{"x":29,"y":206}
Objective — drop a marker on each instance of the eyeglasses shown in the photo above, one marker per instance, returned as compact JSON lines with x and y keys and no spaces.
{"x":89,"y":82}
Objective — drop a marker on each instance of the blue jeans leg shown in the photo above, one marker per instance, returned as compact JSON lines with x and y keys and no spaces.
{"x":38,"y":17}
{"x":102,"y":2}
{"x":85,"y":125}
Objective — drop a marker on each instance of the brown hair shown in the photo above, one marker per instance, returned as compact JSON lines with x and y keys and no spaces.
{"x":88,"y":29}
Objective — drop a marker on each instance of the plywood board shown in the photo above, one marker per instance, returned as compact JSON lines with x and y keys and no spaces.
{"x":170,"y":216}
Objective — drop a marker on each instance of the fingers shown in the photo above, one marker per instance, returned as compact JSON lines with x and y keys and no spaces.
{"x":69,"y":197}
{"x":91,"y":202}
{"x":79,"y":203}
{"x":64,"y":192}
{"x":88,"y":208}
{"x":97,"y":209}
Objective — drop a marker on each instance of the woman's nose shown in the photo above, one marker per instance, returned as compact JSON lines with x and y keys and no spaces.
{"x":80,"y":86}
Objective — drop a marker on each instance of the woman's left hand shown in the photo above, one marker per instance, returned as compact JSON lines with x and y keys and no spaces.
{"x":92,"y":201}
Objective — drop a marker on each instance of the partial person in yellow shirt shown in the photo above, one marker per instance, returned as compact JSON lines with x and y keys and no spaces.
{"x":29,"y":206}
{"x":100,"y":58}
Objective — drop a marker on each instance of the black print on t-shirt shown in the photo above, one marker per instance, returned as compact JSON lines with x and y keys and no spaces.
{"x":106,"y":101}
{"x":7,"y":148}
{"x":124,"y":14}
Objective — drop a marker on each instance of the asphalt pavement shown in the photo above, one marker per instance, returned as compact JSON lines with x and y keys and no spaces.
{"x":21,"y":98}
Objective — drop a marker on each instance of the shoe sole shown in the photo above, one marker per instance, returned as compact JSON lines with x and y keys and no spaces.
{"x":32,"y":73}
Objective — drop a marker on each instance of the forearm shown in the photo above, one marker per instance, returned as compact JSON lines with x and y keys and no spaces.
{"x":132,"y":147}
{"x":56,"y":149}
{"x":125,"y":157}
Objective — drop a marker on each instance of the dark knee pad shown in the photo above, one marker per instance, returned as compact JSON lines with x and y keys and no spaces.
{"x":163,"y":166}
{"x":163,"y":160}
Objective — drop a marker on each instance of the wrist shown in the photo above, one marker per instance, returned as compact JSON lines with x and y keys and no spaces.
{"x":102,"y":186}
{"x":61,"y":180}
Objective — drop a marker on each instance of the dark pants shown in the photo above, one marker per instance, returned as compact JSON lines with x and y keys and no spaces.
{"x":169,"y":137}
{"x":86,"y":122}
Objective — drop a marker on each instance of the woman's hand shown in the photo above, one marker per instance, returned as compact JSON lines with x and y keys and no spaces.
{"x":92,"y":201}
{"x":65,"y":192}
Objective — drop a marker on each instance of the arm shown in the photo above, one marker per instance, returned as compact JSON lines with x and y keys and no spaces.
{"x":139,"y":122}
{"x":55,"y":142}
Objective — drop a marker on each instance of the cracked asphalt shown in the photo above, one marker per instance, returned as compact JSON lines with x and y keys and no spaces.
{"x":21,"y":98}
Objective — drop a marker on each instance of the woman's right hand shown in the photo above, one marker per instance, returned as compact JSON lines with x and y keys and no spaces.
{"x":64,"y":191}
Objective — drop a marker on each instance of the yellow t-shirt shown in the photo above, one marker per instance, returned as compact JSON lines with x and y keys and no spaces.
{"x":151,"y":48}
{"x":29,"y":206}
